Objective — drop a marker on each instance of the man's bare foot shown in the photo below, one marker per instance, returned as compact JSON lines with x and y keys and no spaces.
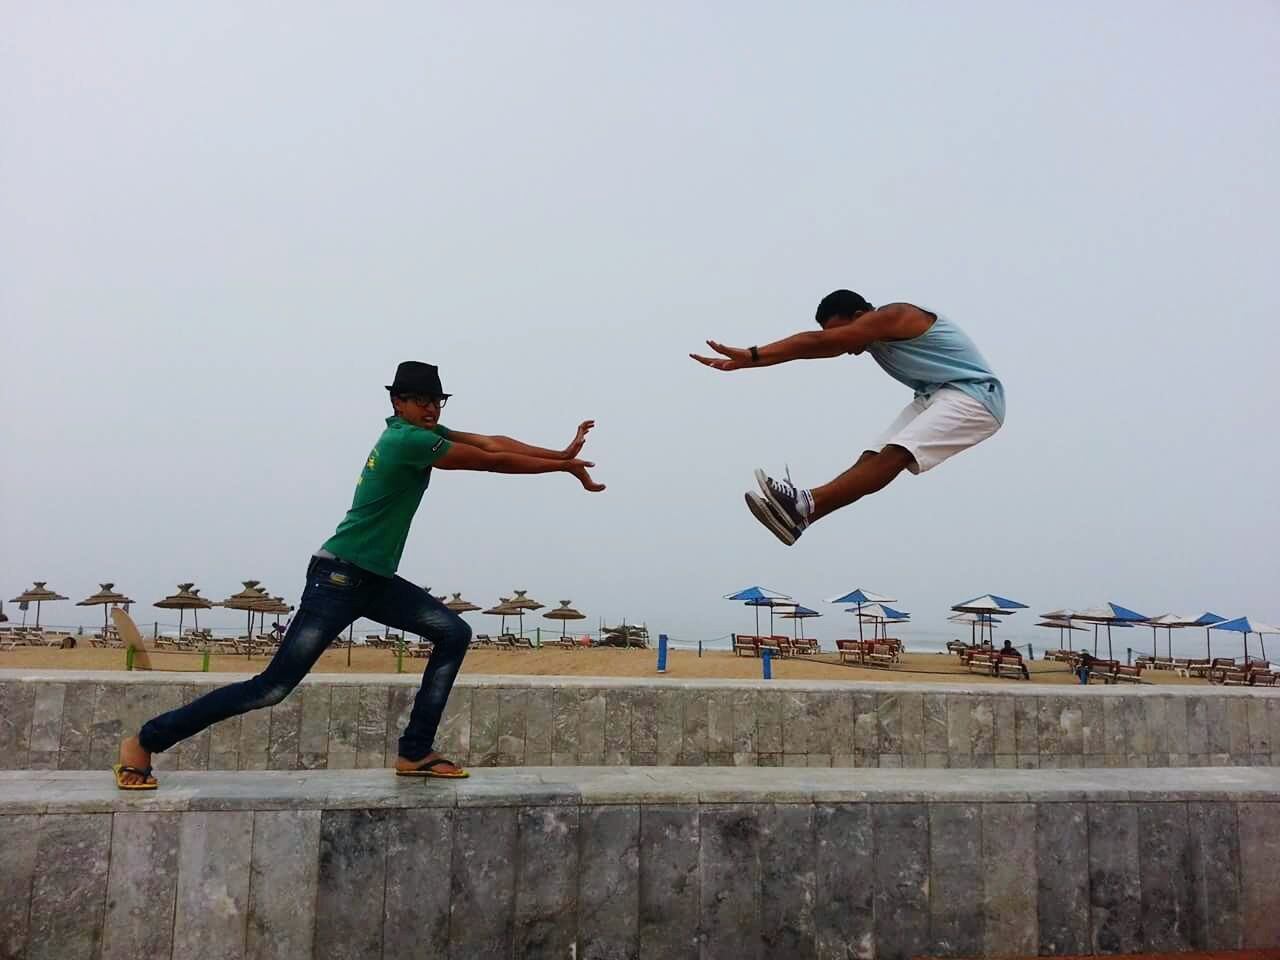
{"x":132,"y":755}
{"x":444,"y":767}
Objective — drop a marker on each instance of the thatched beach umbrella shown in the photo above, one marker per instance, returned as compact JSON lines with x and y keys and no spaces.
{"x":564,"y":613}
{"x":105,"y":598}
{"x":458,"y":605}
{"x":187,"y":598}
{"x":275,"y":605}
{"x":247,"y":599}
{"x":520,"y":603}
{"x":501,"y":609}
{"x":38,"y":594}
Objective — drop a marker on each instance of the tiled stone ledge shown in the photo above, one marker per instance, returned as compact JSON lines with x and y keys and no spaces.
{"x":661,"y":863}
{"x":74,"y":722}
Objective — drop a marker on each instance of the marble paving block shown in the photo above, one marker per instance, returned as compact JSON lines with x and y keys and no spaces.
{"x":18,"y":836}
{"x":313,"y":726}
{"x":69,"y":887}
{"x":982,"y":718}
{"x":1115,"y":883}
{"x":889,"y":723}
{"x":1214,"y":862}
{"x":254,"y":750}
{"x":795,"y":726}
{"x":1093,"y":729}
{"x":644,"y":722}
{"x":1157,"y":718}
{"x":788,"y":879}
{"x":744,"y":721}
{"x":670,"y":902}
{"x":935,"y":723}
{"x":670,"y":714}
{"x":1006,"y":724}
{"x":1198,"y":725}
{"x":1218,"y":720}
{"x":1049,"y":721}
{"x":77,"y":721}
{"x":843,"y":862}
{"x":192,"y":753}
{"x":1133,"y":712}
{"x":866,"y":725}
{"x":609,"y":888}
{"x":720,"y":721}
{"x":1273,"y":725}
{"x":1062,"y":871}
{"x":546,"y":889}
{"x":513,"y":718}
{"x":1175,"y":724}
{"x":350,"y":883}
{"x":371,"y":725}
{"x":415,"y":919}
{"x":955,"y":873}
{"x":344,"y":723}
{"x":900,"y":875}
{"x":453,"y":735}
{"x":1164,"y":861}
{"x":283,"y":883}
{"x":224,"y":744}
{"x":141,"y":883}
{"x":46,"y":717}
{"x":539,"y":734}
{"x":17,"y":704}
{"x":1238,"y":727}
{"x":729,"y":878}
{"x":1260,"y":872}
{"x":1114,"y":720}
{"x":911,"y":706}
{"x":484,"y":724}
{"x":286,"y":720}
{"x":400,"y":700}
{"x":1071,"y":720}
{"x":592,"y":714}
{"x":617,"y":722}
{"x":1259,"y":730}
{"x":212,"y":900}
{"x":959,"y":728}
{"x":565,"y":738}
{"x":484,"y":881}
{"x":105,"y":732}
{"x":1010,"y":881}
{"x":1026,"y":716}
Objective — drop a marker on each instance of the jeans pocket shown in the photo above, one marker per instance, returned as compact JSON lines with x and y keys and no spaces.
{"x":333,"y":577}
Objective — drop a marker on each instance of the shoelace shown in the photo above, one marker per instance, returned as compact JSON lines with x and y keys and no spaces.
{"x":786,"y":486}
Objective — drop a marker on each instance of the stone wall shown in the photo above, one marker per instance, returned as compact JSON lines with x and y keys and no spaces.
{"x":616,"y":863}
{"x":75,"y":721}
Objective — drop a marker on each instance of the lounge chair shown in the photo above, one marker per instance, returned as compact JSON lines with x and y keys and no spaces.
{"x":851,"y":651}
{"x":743,"y":644}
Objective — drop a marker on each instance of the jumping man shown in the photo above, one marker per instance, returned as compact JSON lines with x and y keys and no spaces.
{"x":958,"y":401}
{"x":354,"y":575}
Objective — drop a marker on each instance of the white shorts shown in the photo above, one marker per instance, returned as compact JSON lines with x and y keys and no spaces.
{"x":933,"y":429}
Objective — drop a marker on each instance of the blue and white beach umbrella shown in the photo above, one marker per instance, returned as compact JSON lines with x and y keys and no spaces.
{"x":1111,"y":615}
{"x":800,"y":614}
{"x":760,"y":597}
{"x":859,"y":597}
{"x":879,"y":616}
{"x":989,"y":603}
{"x":974,"y":620}
{"x":1247,"y":625}
{"x":1207,"y":620}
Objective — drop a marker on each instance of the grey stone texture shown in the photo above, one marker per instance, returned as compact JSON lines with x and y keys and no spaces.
{"x":337,"y":722}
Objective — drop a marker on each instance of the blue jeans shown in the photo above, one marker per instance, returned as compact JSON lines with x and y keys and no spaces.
{"x":336,"y":594}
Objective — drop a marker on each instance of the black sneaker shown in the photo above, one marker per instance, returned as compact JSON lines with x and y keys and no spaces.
{"x":784,"y":498}
{"x":767,"y":514}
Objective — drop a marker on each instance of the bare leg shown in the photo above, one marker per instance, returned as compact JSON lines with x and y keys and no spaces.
{"x":872,"y":472}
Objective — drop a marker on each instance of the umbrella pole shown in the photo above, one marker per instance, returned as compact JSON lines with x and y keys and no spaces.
{"x":859,"y":623}
{"x":37,"y":614}
{"x":1207,"y":652}
{"x":757,"y":621}
{"x":1111,"y":654}
{"x":180,"y":613}
{"x":1095,"y":639}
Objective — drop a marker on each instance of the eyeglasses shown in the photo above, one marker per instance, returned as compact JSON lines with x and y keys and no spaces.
{"x":427,"y":401}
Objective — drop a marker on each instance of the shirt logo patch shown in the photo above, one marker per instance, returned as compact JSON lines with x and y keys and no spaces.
{"x":438,"y":444}
{"x":339,"y":578}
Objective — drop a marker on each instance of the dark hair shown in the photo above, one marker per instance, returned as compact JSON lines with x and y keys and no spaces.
{"x":841,"y":303}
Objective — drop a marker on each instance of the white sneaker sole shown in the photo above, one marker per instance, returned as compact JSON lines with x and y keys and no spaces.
{"x":762,"y":510}
{"x":762,"y":481}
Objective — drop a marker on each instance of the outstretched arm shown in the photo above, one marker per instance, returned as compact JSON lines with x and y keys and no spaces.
{"x":501,"y":444}
{"x":463,"y":456}
{"x":887,"y":323}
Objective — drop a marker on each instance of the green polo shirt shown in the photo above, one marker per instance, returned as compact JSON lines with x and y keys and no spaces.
{"x":395,"y":476}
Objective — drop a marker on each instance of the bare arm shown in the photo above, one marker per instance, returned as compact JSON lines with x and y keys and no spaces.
{"x":891,"y":322}
{"x":501,"y":444}
{"x":463,"y":456}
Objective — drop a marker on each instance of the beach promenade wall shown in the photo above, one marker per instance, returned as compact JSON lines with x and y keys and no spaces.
{"x":73,"y":721}
{"x":629,"y":863}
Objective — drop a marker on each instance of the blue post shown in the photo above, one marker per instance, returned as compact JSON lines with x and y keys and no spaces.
{"x":766,"y":663}
{"x":662,"y":653}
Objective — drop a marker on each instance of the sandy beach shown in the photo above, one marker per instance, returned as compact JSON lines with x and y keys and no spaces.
{"x":605,"y":662}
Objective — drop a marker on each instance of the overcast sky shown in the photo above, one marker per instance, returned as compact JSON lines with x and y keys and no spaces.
{"x":222,"y":226}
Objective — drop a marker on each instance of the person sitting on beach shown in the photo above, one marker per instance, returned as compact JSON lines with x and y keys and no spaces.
{"x":354,"y":575}
{"x":1009,"y":650}
{"x":958,"y":401}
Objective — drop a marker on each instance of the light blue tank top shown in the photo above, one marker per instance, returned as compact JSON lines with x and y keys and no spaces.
{"x":942,"y":356}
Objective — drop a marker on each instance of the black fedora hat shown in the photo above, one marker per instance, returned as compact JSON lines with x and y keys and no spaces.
{"x":414,"y":378}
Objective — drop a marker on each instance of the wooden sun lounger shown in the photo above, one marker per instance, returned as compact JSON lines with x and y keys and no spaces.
{"x":1012,"y":667}
{"x":882,"y":654}
{"x":851,"y":651}
{"x":745,"y":645}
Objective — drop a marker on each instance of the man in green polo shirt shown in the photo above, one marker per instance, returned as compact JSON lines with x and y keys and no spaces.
{"x":353,"y":575}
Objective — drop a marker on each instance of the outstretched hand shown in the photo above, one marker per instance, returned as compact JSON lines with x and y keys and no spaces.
{"x":579,"y":469}
{"x":575,"y":447}
{"x":732,"y":358}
